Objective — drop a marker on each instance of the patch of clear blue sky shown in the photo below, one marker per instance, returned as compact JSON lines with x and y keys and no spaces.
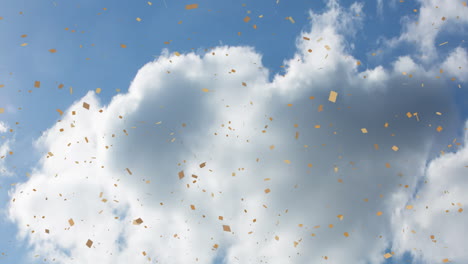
{"x":110,"y":67}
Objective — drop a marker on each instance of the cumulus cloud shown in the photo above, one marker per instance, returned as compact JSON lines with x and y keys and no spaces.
{"x":204,"y":159}
{"x":434,"y":229}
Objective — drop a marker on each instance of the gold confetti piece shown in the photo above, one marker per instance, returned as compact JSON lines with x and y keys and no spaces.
{"x":71,"y":90}
{"x":71,"y":222}
{"x":149,"y":3}
{"x":395,"y":148}
{"x":460,"y":210}
{"x":89,"y":243}
{"x":443,"y":43}
{"x":327,"y":47}
{"x":287,"y":161}
{"x":138,"y":221}
{"x":340,"y":217}
{"x":409,"y":207}
{"x":246,"y":19}
{"x":98,"y":90}
{"x":438,"y":113}
{"x":215,"y":246}
{"x":47,"y":231}
{"x":181,"y":175}
{"x":52,"y":50}
{"x":439,"y":129}
{"x":24,"y":44}
{"x":2,"y":110}
{"x":277,"y":238}
{"x":387,"y":255}
{"x":85,"y":105}
{"x":37,"y":84}
{"x":332,"y":96}
{"x":306,"y":38}
{"x":364,"y":130}
{"x":358,"y":63}
{"x":50,"y":154}
{"x":192,"y":207}
{"x":292,"y":20}
{"x":272,"y":147}
{"x":266,"y":179}
{"x":123,"y":46}
{"x":60,"y":86}
{"x":129,"y":172}
{"x":376,"y":146}
{"x":60,"y":111}
{"x":387,"y":165}
{"x":226,"y":228}
{"x":379,"y":213}
{"x":267,"y":190}
{"x":346,"y":234}
{"x":409,"y":115}
{"x":177,"y":54}
{"x":205,"y":90}
{"x":192,"y":6}
{"x":138,"y":19}
{"x":320,"y":108}
{"x":464,"y":3}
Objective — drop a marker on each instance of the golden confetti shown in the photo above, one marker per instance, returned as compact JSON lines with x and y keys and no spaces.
{"x":439,"y":129}
{"x":246,"y":19}
{"x":52,"y":50}
{"x":71,"y":222}
{"x":192,"y":207}
{"x":379,"y":213}
{"x":149,"y":3}
{"x":387,"y":255}
{"x":443,"y":43}
{"x":320,"y":108}
{"x":123,"y":46}
{"x":192,"y":6}
{"x":292,"y":20}
{"x":98,"y":90}
{"x":226,"y":228}
{"x":287,"y":161}
{"x":267,"y":190}
{"x":364,"y":130}
{"x":138,"y":19}
{"x":395,"y":148}
{"x":85,"y":105}
{"x":409,"y":207}
{"x":340,"y":217}
{"x":346,"y":234}
{"x":60,"y":111}
{"x":2,"y":110}
{"x":181,"y":175}
{"x":37,"y":84}
{"x":138,"y":221}
{"x":24,"y":44}
{"x":89,"y":243}
{"x":129,"y":172}
{"x":332,"y":96}
{"x":205,"y":90}
{"x":177,"y":54}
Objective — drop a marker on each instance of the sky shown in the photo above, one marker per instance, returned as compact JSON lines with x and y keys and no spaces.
{"x":233,"y":131}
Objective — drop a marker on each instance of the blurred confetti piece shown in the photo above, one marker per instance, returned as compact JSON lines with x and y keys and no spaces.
{"x":192,"y":6}
{"x":332,"y":96}
{"x":291,"y":19}
{"x":439,"y":129}
{"x":267,"y":191}
{"x":443,"y":43}
{"x":24,"y":44}
{"x":181,"y":175}
{"x":149,"y":3}
{"x":246,"y":19}
{"x":98,"y":90}
{"x":177,"y":54}
{"x":60,"y":111}
{"x":395,"y":148}
{"x":409,"y":207}
{"x":226,"y":228}
{"x":123,"y":46}
{"x":138,"y":19}
{"x":192,"y":207}
{"x":89,"y":243}
{"x":37,"y":84}
{"x":202,"y":164}
{"x":387,"y":255}
{"x":346,"y":234}
{"x":52,"y":50}
{"x":138,"y":221}
{"x":2,"y":110}
{"x":129,"y":171}
{"x":85,"y":105}
{"x":205,"y":90}
{"x":287,"y":161}
{"x":364,"y":130}
{"x":71,"y":222}
{"x":379,"y":213}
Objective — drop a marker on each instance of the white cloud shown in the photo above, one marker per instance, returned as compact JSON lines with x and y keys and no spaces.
{"x":229,"y":128}
{"x":433,"y":17}
{"x":435,"y":229}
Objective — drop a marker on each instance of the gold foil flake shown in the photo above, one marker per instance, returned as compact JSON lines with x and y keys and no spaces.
{"x":364,"y":130}
{"x":387,"y":255}
{"x":52,"y":50}
{"x":267,"y":190}
{"x":98,"y":90}
{"x":59,"y":111}
{"x":138,"y":221}
{"x":287,"y":161}
{"x":138,"y":19}
{"x":379,"y":213}
{"x":226,"y":228}
{"x":89,"y":243}
{"x":246,"y":19}
{"x":71,"y":222}
{"x":129,"y":172}
{"x":37,"y":84}
{"x":181,"y":175}
{"x":192,"y":207}
{"x":395,"y":148}
{"x":123,"y":46}
{"x":332,"y":96}
{"x":85,"y":105}
{"x":205,"y":90}
{"x":439,"y":129}
{"x":409,"y":207}
{"x":192,"y":6}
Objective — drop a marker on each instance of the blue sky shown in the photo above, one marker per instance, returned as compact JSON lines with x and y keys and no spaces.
{"x":87,"y":36}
